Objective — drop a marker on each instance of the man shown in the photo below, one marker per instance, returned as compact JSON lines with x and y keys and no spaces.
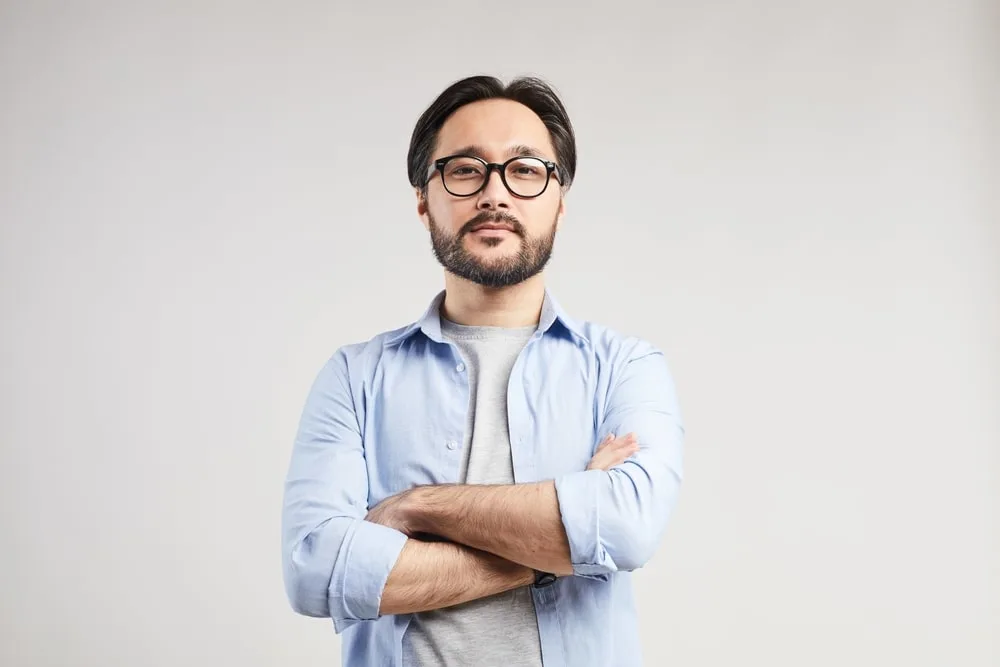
{"x":476,"y":487}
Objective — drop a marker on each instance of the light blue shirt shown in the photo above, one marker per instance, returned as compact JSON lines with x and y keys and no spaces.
{"x":388,"y":414}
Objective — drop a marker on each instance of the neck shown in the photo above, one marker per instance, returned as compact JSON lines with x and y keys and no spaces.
{"x":468,"y":303}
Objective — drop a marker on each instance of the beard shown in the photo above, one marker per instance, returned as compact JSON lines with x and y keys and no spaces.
{"x":528,"y":261}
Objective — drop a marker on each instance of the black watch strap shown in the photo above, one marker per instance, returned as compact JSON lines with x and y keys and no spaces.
{"x":543,"y":579}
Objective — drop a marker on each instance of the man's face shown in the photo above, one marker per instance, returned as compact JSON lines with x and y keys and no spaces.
{"x":494,"y":130}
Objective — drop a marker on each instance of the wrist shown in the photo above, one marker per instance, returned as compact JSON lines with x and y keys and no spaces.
{"x":520,"y":575}
{"x":415,"y":510}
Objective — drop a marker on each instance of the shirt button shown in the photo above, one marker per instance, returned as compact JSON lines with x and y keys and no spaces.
{"x":452,"y":444}
{"x":460,"y":368}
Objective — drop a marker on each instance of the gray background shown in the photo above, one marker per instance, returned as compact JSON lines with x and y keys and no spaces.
{"x":797,"y":201}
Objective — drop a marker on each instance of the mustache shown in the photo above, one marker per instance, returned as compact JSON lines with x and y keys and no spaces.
{"x":495,"y":217}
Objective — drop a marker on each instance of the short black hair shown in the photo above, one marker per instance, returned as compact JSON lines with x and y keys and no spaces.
{"x":530,"y":91}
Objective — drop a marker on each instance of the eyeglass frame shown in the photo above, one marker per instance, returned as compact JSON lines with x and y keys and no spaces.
{"x":550,"y":168}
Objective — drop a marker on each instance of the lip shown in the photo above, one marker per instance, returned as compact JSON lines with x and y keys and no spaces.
{"x":492,"y":228}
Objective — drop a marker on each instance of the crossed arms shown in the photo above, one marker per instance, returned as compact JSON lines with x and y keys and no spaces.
{"x":352,"y":563}
{"x":498,"y":536}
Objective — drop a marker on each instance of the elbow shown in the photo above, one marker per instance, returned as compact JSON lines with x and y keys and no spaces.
{"x":304,"y":590}
{"x":635,"y":525}
{"x":629,"y":542}
{"x":617,"y":551}
{"x":309,"y":598}
{"x":339,"y":569}
{"x":308,"y":566}
{"x":306,"y":605}
{"x":633,"y":551}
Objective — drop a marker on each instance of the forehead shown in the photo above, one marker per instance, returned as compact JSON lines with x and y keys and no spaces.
{"x":495,"y":125}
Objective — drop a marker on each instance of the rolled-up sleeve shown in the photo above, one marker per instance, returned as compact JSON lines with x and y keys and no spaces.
{"x":335,"y":564}
{"x":615,"y":519}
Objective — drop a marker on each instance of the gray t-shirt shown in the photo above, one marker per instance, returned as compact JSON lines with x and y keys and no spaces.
{"x":500,"y":629}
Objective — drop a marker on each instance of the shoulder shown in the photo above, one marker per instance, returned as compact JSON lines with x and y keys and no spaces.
{"x":633,"y":370}
{"x":358,"y":355}
{"x":627,"y":362}
{"x":351,"y":362}
{"x":614,"y":346}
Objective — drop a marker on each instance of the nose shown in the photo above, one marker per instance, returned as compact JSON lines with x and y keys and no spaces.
{"x":494,"y":195}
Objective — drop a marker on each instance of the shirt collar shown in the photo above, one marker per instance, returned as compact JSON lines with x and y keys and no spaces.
{"x":552,"y":317}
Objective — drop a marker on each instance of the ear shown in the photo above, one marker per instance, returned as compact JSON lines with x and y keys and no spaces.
{"x":562,"y":210}
{"x":422,"y":207}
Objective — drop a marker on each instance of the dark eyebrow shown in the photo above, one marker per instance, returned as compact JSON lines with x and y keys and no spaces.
{"x":519,"y":150}
{"x":522,"y":150}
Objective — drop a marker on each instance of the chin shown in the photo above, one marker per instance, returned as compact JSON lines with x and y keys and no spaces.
{"x":494,"y":256}
{"x":491,"y":244}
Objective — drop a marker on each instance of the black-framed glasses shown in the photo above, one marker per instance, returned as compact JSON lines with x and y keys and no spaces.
{"x":466,"y":175}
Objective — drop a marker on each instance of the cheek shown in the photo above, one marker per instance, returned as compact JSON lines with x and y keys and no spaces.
{"x":451,"y":216}
{"x":540,"y":216}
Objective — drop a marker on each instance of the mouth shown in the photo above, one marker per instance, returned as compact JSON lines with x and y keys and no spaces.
{"x":492,"y":227}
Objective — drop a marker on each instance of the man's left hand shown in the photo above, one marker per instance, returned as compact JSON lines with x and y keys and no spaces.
{"x":395,"y":512}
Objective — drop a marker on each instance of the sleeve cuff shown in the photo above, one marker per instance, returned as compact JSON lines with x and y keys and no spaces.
{"x":578,"y":494}
{"x":371,"y":554}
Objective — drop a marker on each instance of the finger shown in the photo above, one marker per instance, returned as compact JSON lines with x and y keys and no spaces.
{"x":628,"y":445}
{"x":619,"y":451}
{"x":624,"y":444}
{"x":625,"y":452}
{"x":625,"y":455}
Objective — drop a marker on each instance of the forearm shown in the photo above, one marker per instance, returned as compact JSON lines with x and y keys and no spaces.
{"x":519,"y":523}
{"x":434,"y":575}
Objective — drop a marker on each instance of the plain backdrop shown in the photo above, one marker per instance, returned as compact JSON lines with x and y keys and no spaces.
{"x":796,"y":200}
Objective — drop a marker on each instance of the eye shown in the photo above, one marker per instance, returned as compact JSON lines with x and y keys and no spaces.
{"x":527,"y":168}
{"x":464,"y":168}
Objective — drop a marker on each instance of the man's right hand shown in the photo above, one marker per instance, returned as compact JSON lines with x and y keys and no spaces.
{"x":613,"y":451}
